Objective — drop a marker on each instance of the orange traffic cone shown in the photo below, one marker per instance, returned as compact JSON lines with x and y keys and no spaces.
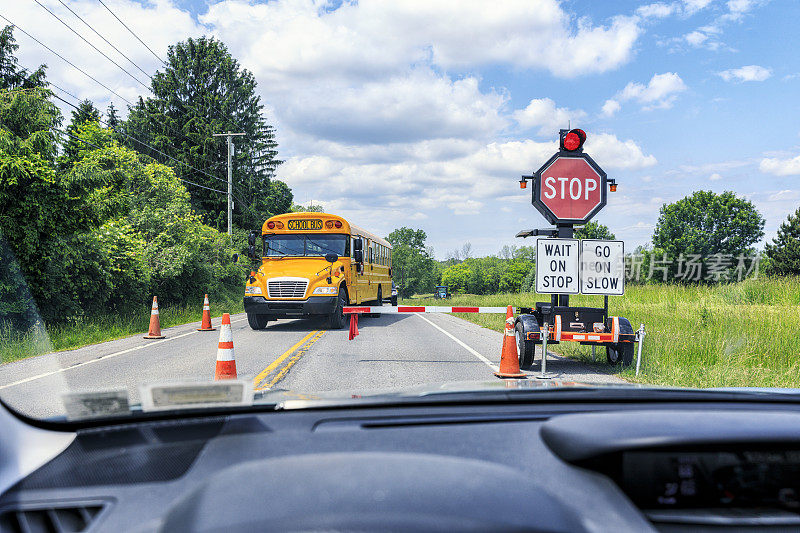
{"x":155,"y":326}
{"x":205,"y":325}
{"x":353,"y":325}
{"x":226,"y":363}
{"x":509,"y":358}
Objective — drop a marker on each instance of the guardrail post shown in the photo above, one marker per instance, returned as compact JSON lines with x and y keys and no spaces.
{"x":639,"y":337}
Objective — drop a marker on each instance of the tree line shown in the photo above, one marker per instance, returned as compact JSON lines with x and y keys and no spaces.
{"x":98,"y":216}
{"x":712,"y":234}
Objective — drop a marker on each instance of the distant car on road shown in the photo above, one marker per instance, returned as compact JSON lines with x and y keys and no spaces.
{"x":394,"y":294}
{"x":440,"y":292}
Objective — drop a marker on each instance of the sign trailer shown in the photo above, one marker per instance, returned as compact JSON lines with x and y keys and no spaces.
{"x":569,"y":189}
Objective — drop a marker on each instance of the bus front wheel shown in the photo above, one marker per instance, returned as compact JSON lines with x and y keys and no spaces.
{"x":257,"y":321}
{"x":336,"y":319}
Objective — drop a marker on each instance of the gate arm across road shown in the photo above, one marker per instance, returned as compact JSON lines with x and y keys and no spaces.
{"x":424,"y":309}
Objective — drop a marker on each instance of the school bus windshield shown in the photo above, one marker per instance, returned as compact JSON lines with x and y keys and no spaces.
{"x":304,"y":245}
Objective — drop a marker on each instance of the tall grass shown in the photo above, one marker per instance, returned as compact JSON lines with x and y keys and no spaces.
{"x":15,"y":345}
{"x":741,"y":334}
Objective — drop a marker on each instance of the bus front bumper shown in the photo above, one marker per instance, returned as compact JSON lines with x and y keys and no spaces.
{"x":315,"y":305}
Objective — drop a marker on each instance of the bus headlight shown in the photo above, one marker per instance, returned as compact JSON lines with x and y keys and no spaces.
{"x":253,"y":290}
{"x":326,"y":290}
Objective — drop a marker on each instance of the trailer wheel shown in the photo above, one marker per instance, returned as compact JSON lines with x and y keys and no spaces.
{"x":612,"y":356}
{"x":620,"y":352}
{"x":525,"y":348}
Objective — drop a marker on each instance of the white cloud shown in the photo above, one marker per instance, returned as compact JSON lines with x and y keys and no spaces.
{"x":780,"y":167}
{"x":696,"y":38}
{"x":371,"y":36}
{"x":660,"y":92}
{"x":715,"y":177}
{"x":610,"y":108}
{"x":610,"y":152}
{"x":692,"y":6}
{"x":746,"y":73}
{"x":784,"y":195}
{"x":463,"y":184}
{"x":407,"y":108}
{"x":542,"y":112}
{"x":657,"y":10}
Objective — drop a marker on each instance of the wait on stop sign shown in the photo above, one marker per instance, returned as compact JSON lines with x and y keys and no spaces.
{"x":570,"y":188}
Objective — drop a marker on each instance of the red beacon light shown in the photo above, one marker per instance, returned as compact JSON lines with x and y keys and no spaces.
{"x":573,"y":140}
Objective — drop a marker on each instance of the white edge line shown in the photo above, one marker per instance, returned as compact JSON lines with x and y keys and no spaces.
{"x":101,"y":358}
{"x":461,"y":343}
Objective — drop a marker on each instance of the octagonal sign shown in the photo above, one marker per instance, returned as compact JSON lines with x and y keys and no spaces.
{"x":569,"y":189}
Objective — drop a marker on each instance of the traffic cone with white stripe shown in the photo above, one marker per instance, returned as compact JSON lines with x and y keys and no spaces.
{"x":509,"y":358}
{"x":205,"y":325}
{"x":226,"y":363}
{"x":155,"y":326}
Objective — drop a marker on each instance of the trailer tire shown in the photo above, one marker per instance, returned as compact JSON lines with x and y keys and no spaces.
{"x":612,"y":356}
{"x":621,"y":352}
{"x":525,"y":349}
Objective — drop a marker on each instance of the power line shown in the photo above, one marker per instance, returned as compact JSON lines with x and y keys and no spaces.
{"x":70,"y":28}
{"x":181,"y":178}
{"x":131,"y":61}
{"x":142,"y":143}
{"x":132,"y":33}
{"x":112,"y":91}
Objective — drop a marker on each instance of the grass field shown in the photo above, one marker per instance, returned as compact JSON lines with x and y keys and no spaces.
{"x":16,"y":345}
{"x":742,"y":334}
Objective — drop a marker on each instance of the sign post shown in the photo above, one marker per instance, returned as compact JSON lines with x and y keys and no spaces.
{"x":569,"y":189}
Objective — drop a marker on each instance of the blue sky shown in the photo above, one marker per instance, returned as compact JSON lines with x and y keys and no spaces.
{"x":424,"y":114}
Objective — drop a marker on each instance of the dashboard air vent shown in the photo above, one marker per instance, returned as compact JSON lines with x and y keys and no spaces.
{"x":53,"y":518}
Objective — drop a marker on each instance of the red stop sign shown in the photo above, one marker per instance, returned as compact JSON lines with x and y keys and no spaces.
{"x":569,"y":189}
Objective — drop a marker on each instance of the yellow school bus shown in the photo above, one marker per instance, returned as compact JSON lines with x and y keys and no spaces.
{"x":314,"y":264}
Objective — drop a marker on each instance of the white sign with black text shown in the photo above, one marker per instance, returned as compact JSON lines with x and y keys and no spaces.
{"x":602,"y":267}
{"x":557,"y":266}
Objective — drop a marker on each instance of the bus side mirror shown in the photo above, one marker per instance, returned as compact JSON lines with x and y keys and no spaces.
{"x":331,"y":258}
{"x":235,"y":258}
{"x":251,"y":252}
{"x":358,"y":255}
{"x":358,"y":245}
{"x":251,"y":239}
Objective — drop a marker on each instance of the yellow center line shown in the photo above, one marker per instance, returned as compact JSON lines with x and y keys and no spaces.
{"x":264,"y":373}
{"x":296,"y":357}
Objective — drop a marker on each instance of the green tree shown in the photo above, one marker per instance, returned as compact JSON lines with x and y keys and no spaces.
{"x":86,"y":112}
{"x":457,"y":278}
{"x":12,"y":76}
{"x":201,"y":92}
{"x":513,"y":277}
{"x":34,"y":204}
{"x":784,"y":251}
{"x":413,"y":268}
{"x":594,"y":230}
{"x":112,"y":117}
{"x":709,"y":225}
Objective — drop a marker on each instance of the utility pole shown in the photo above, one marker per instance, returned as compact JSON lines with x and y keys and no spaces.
{"x":230,"y":136}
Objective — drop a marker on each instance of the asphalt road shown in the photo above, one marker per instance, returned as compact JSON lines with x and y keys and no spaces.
{"x":393,"y":350}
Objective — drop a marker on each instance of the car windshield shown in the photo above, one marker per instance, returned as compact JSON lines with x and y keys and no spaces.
{"x":305,"y":245}
{"x":544,"y":191}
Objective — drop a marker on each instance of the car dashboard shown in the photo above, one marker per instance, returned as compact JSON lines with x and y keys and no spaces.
{"x":524,"y":465}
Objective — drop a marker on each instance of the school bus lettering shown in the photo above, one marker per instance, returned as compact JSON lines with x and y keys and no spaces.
{"x":305,"y":224}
